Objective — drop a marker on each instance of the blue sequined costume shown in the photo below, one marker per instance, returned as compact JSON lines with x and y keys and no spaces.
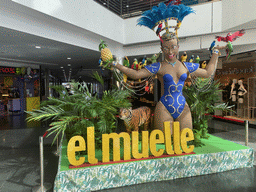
{"x":173,"y":99}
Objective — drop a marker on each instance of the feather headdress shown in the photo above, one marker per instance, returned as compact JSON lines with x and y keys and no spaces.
{"x":162,"y":14}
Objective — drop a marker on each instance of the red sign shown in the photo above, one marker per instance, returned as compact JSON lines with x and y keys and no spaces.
{"x":7,"y":70}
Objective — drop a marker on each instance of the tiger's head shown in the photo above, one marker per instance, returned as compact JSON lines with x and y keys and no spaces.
{"x":125,"y":113}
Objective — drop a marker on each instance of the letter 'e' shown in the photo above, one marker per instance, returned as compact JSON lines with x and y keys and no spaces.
{"x":153,"y":141}
{"x":72,"y":148}
{"x":185,"y":139}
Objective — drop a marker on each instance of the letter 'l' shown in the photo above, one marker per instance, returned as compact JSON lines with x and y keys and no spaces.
{"x":168,"y":138}
{"x":91,"y":146}
{"x":176,"y":137}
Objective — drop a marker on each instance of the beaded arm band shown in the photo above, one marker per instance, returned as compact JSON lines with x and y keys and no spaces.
{"x":216,"y":51}
{"x":114,"y":63}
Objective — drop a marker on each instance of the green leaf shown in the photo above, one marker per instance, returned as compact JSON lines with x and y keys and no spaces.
{"x":201,"y":103}
{"x":98,"y":77}
{"x":72,"y":114}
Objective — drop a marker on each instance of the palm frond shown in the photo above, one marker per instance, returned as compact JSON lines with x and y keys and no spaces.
{"x":98,"y":77}
{"x":202,"y":103}
{"x":72,"y":114}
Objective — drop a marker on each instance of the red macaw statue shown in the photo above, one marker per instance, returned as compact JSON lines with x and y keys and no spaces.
{"x":231,"y":37}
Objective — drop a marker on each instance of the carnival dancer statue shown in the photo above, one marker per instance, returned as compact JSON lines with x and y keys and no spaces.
{"x":171,"y":72}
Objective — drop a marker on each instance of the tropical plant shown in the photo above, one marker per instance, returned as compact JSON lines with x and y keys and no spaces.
{"x":72,"y":114}
{"x":202,"y":103}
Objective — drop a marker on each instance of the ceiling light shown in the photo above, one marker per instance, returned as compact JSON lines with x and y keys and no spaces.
{"x":61,"y":67}
{"x":104,"y":3}
{"x":127,"y":5}
{"x":69,"y":58}
{"x":37,"y":47}
{"x":69,"y":65}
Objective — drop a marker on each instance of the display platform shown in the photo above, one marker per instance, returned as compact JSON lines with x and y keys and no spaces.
{"x":217,"y":155}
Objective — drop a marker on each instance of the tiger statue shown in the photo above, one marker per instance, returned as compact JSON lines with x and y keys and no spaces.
{"x":135,"y":118}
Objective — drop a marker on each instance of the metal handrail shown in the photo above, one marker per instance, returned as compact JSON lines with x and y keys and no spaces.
{"x":127,"y":8}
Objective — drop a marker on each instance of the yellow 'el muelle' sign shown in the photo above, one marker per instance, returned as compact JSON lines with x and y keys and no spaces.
{"x":180,"y":140}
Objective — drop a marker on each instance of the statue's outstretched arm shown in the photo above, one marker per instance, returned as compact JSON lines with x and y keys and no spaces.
{"x":132,"y":73}
{"x":210,"y":68}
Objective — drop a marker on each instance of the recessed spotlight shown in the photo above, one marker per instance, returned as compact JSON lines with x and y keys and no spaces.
{"x":69,"y":58}
{"x":127,"y":5}
{"x":104,"y":3}
{"x":61,"y":67}
{"x":37,"y":47}
{"x":69,"y":65}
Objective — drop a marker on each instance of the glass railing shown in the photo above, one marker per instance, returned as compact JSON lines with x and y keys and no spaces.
{"x":127,"y":8}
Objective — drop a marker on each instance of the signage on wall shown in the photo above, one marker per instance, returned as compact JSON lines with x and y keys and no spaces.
{"x":236,"y":71}
{"x":7,"y":70}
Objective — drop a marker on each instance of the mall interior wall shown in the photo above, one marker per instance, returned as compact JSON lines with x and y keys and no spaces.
{"x":25,"y":19}
{"x":87,"y":15}
{"x":237,"y":12}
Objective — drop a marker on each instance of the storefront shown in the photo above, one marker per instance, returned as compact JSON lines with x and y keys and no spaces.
{"x":239,"y":86}
{"x":19,"y":89}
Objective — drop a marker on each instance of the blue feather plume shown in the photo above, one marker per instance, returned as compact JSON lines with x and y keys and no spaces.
{"x":157,"y":13}
{"x":185,"y":10}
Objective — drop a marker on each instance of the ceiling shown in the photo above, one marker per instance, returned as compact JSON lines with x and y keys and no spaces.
{"x":16,"y":46}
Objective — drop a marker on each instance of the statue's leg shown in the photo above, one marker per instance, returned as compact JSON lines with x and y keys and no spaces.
{"x":161,"y":115}
{"x":185,"y":118}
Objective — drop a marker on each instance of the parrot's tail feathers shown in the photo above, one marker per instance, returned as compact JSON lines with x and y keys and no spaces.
{"x":160,"y":38}
{"x":242,"y":32}
{"x":227,"y":51}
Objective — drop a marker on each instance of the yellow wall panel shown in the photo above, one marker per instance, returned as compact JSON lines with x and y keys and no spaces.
{"x":32,"y":103}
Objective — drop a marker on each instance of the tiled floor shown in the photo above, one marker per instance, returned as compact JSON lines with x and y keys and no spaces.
{"x":19,"y":155}
{"x":20,"y":166}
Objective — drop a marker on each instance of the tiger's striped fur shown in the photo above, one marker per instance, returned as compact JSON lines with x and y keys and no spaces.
{"x":135,"y":118}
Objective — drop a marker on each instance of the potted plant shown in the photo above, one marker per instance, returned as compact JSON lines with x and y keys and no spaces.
{"x":201,"y":96}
